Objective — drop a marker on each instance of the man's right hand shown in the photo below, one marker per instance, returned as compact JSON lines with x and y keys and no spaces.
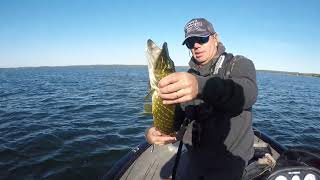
{"x":154,"y":136}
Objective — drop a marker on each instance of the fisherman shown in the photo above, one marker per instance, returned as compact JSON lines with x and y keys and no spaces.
{"x":216,"y":96}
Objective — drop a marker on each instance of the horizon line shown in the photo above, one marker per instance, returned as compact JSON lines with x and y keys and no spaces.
{"x":52,"y":66}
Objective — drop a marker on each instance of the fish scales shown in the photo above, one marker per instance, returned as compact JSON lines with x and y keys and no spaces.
{"x":159,"y":66}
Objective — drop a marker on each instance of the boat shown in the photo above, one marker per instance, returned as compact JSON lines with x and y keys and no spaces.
{"x":271,"y":161}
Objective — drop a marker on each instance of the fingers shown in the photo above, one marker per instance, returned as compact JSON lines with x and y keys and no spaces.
{"x":162,"y":140}
{"x":170,"y":88}
{"x":156,"y":137}
{"x":170,"y":79}
{"x":178,"y":100}
{"x":175,"y":95}
{"x":178,"y":88}
{"x":156,"y":133}
{"x":171,"y":84}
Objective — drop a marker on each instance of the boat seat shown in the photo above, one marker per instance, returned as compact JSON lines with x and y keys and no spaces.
{"x":259,"y":152}
{"x":261,"y":161}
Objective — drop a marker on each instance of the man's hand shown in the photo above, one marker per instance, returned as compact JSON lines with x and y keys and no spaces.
{"x":154,"y":136}
{"x":178,"y":87}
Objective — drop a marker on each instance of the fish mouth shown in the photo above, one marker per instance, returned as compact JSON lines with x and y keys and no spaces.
{"x":159,"y":62}
{"x":154,"y":52}
{"x":151,"y":45}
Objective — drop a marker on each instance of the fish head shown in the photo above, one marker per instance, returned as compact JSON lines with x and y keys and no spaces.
{"x":159,"y":62}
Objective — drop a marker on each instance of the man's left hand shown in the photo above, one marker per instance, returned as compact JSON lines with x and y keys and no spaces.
{"x":178,"y":87}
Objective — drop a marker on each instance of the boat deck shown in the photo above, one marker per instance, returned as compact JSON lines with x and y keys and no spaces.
{"x":157,"y":162}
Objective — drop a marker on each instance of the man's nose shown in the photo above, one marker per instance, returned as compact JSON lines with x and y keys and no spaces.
{"x":196,"y":45}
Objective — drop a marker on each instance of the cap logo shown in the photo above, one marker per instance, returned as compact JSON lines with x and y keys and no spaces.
{"x":193,"y":25}
{"x":199,"y":27}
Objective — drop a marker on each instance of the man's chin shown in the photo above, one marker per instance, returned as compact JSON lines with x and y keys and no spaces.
{"x":200,"y":60}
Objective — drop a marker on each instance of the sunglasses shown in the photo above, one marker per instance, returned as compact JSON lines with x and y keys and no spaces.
{"x":192,"y":40}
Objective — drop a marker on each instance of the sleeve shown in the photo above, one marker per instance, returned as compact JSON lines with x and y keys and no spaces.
{"x":234,"y":94}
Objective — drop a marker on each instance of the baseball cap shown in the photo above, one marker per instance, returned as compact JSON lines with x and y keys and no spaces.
{"x":198,"y":27}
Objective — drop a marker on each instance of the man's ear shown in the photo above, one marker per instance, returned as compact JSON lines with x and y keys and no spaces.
{"x":190,"y":53}
{"x":216,"y":36}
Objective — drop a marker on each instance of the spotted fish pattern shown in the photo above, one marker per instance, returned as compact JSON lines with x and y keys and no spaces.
{"x":159,"y":66}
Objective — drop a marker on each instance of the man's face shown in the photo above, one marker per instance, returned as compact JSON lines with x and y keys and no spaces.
{"x":203,"y":48}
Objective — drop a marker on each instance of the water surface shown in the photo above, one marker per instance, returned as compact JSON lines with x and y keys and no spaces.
{"x":75,"y":122}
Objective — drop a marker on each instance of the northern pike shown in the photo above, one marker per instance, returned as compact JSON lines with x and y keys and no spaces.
{"x":159,"y":66}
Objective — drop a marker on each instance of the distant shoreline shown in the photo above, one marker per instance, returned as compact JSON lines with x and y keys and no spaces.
{"x":291,"y":73}
{"x":122,"y":65}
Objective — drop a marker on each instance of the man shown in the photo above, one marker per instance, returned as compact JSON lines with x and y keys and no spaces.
{"x":215,"y":96}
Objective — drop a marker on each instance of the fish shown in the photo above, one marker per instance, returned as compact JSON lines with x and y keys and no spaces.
{"x":160,"y":65}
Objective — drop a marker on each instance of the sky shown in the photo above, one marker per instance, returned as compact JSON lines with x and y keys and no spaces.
{"x":279,"y":35}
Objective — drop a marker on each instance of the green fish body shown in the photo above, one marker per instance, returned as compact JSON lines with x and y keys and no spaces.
{"x":160,"y":65}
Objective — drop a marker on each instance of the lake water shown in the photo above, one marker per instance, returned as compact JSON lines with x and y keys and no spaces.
{"x":75,"y":122}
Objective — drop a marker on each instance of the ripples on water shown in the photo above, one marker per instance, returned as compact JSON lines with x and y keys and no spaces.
{"x":288,"y":109}
{"x":75,"y":122}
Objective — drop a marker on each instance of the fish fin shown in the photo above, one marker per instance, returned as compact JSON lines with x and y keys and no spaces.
{"x":149,"y":95}
{"x":149,"y":85}
{"x":147,"y":109}
{"x":148,"y":105}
